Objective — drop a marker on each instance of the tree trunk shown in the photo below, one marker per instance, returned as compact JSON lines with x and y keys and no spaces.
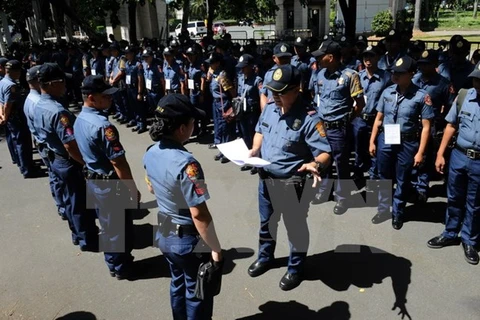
{"x":56,"y":22}
{"x":349,"y":12}
{"x":68,"y":25}
{"x":211,"y":12}
{"x":416,"y":18}
{"x":132,"y":20}
{"x":186,"y":13}
{"x":475,"y":7}
{"x":37,"y":20}
{"x":6,"y":29}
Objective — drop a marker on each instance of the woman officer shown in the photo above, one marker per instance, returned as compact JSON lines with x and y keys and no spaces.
{"x":401,"y":140}
{"x":177,"y":181}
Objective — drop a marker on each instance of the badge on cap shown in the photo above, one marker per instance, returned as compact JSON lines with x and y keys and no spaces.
{"x":391,"y":33}
{"x":299,"y":39}
{"x":145,"y":51}
{"x":159,"y":110}
{"x":283,"y":48}
{"x":343,"y":38}
{"x":296,"y":124}
{"x":369,"y":48}
{"x":277,"y":75}
{"x":399,"y":62}
{"x":425,"y":54}
{"x":190,"y":50}
{"x":360,"y":38}
{"x":166,"y":50}
{"x":459,"y":44}
{"x":241,"y":59}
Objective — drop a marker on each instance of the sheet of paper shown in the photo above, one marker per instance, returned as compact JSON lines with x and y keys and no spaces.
{"x":93,"y":72}
{"x":128,"y":79}
{"x":244,"y":104}
{"x":191,"y":84}
{"x":148,"y":84}
{"x":237,"y":152}
{"x":167,"y":84}
{"x":392,"y":134}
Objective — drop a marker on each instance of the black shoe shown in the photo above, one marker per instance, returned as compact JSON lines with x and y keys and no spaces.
{"x":135,"y":129}
{"x":112,"y":273}
{"x":142,"y":130}
{"x":123,"y":121}
{"x":116,"y":116}
{"x":341,"y":207}
{"x":422,"y":197}
{"x":131,"y":124}
{"x":258,"y":268}
{"x":441,"y":241}
{"x":290,"y":281}
{"x":254,"y":171}
{"x":471,"y":255}
{"x":212,"y":146}
{"x":397,"y":223}
{"x":224,"y":160}
{"x":90,"y":248}
{"x":319,"y":198}
{"x":381,"y":217}
{"x":246,"y":168}
{"x":75,"y":242}
{"x":218,"y":157}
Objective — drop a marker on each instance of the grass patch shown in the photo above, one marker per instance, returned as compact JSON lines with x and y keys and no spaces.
{"x":462,"y":20}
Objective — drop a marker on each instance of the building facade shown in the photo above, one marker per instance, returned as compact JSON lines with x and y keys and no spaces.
{"x":293,"y":16}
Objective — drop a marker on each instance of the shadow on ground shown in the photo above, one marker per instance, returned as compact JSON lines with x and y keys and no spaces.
{"x":79,"y":315}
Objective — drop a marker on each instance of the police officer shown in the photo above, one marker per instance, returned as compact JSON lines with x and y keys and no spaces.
{"x":176,"y":179}
{"x":293,"y":140}
{"x":106,"y":53}
{"x":97,"y":62}
{"x":463,"y":178}
{"x":302,"y":60}
{"x":195,"y":82}
{"x":457,"y":68}
{"x":117,"y":80}
{"x":135,"y":88}
{"x":54,"y":125}
{"x":173,"y":74}
{"x":109,"y":178}
{"x":373,"y":81}
{"x":393,"y":51}
{"x":281,"y":55}
{"x":12,"y":115}
{"x":338,"y":89}
{"x":223,"y":91}
{"x":249,"y":86}
{"x":441,"y":94}
{"x":154,"y":80}
{"x":401,"y":142}
{"x":349,"y":58}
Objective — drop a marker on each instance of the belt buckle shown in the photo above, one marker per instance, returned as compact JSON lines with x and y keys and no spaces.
{"x":470,"y":154}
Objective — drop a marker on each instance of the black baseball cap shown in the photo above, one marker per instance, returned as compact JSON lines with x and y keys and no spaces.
{"x":147,"y":53}
{"x":300,"y":42}
{"x":282,"y":50}
{"x":327,"y":47}
{"x":130,"y":49}
{"x":13,"y":65}
{"x":177,"y":105}
{"x":214,"y":57}
{"x":168,"y":51}
{"x":32,"y":73}
{"x":3,"y":61}
{"x":428,"y":56}
{"x":50,"y":72}
{"x":115,"y":46}
{"x":283,"y":77}
{"x":372,"y":50}
{"x":96,"y":84}
{"x":192,"y":50}
{"x":245,"y":60}
{"x":404,"y":64}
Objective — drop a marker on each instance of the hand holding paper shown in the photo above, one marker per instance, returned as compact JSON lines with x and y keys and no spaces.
{"x":237,"y":152}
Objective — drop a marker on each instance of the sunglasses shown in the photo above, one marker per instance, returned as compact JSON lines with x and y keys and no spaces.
{"x":54,"y":81}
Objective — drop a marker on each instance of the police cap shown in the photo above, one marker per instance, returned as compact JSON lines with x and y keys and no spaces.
{"x":177,"y":105}
{"x":96,"y":84}
{"x":300,"y":42}
{"x":428,"y":56}
{"x":282,"y":50}
{"x":32,"y":73}
{"x":404,"y":64}
{"x":3,"y":61}
{"x":245,"y":60}
{"x":214,"y":57}
{"x":283,"y":77}
{"x":13,"y":65}
{"x":50,"y":72}
{"x":327,"y":47}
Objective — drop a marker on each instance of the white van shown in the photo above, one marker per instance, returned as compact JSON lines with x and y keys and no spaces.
{"x":194,"y":28}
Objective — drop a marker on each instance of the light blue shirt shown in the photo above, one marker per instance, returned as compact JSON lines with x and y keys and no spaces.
{"x":28,"y":108}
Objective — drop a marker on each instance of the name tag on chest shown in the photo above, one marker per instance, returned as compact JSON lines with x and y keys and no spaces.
{"x":94,"y":72}
{"x":168,"y":84}
{"x":191,"y":84}
{"x":128,"y":79}
{"x":148,"y":84}
{"x":392,"y":134}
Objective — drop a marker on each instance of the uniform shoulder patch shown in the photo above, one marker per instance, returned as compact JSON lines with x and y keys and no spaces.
{"x":428,"y":100}
{"x":111,"y":133}
{"x":193,"y":172}
{"x":64,"y":120}
{"x":320,"y":129}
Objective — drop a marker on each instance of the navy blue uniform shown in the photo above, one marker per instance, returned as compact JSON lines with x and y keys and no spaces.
{"x":303,"y":65}
{"x":249,"y":89}
{"x":54,"y":125}
{"x":457,"y":74}
{"x":98,"y":142}
{"x":219,"y":86}
{"x":153,"y":83}
{"x":97,"y":66}
{"x":134,"y":71}
{"x":123,"y":112}
{"x":464,"y":174}
{"x":289,"y":140}
{"x":178,"y":184}
{"x":18,"y":136}
{"x":173,"y":75}
{"x":337,"y":91}
{"x":398,"y":159}
{"x":362,"y":126}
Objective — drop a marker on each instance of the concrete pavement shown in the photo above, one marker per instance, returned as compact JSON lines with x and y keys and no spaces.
{"x":356,"y":270}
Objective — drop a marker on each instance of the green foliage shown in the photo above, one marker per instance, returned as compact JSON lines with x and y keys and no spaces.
{"x":255,"y":9}
{"x":382,"y":23}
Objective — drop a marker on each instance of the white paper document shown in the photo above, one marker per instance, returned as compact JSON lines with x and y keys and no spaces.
{"x":191,"y":84}
{"x":167,"y":84}
{"x":392,"y":134}
{"x":128,"y":79}
{"x":237,"y":152}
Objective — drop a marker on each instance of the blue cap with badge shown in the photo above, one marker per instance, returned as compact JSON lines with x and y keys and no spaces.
{"x":96,"y":84}
{"x":282,"y":50}
{"x":283,"y":77}
{"x":404,"y":64}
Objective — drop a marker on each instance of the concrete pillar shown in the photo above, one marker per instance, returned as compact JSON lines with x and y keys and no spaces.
{"x":298,"y":15}
{"x":281,"y":17}
{"x":162,"y":19}
{"x":326,"y":18}
{"x":121,"y":31}
{"x":147,"y":24}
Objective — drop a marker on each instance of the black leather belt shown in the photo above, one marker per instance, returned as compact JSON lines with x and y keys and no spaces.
{"x":173,"y":91}
{"x":470,"y":153}
{"x":52,"y":154}
{"x":92,"y":175}
{"x":368,"y":117}
{"x":272,"y":179}
{"x":338,"y":124}
{"x":409,"y":137}
{"x":166,"y":226}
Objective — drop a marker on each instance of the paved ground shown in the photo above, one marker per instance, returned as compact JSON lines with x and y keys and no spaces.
{"x":356,"y":270}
